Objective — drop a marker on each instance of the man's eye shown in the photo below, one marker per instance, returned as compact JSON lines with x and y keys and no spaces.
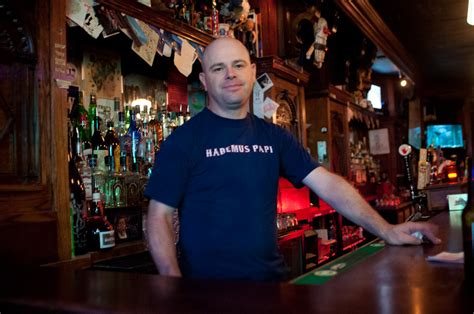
{"x":239,"y":65}
{"x":217,"y":69}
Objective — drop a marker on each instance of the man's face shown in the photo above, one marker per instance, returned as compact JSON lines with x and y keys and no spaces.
{"x":228,"y":76}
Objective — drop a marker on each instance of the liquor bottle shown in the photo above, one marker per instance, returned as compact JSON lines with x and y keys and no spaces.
{"x":116,"y":110}
{"x":99,"y":147}
{"x":100,"y":233}
{"x":468,"y":228}
{"x":132,"y":182}
{"x":154,"y":128}
{"x":97,"y":177}
{"x":188,"y":114}
{"x":109,"y":181}
{"x":113,"y":146}
{"x":92,"y":109}
{"x":180,"y":116}
{"x":80,"y":122}
{"x":114,"y":187}
{"x":134,"y":134}
{"x":78,"y":208}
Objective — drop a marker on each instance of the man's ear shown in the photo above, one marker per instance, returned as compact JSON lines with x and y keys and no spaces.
{"x":202,"y":78}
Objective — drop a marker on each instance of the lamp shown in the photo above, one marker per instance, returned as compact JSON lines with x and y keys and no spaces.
{"x":403,"y":80}
{"x":470,"y":12}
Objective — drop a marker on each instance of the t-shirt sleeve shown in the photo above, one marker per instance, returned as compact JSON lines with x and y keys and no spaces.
{"x":296,"y":163}
{"x":170,"y":173}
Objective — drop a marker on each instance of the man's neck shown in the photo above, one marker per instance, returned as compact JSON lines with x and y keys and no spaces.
{"x":239,"y":113}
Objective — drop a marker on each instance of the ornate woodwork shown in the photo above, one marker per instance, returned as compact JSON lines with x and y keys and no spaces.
{"x":288,"y":92}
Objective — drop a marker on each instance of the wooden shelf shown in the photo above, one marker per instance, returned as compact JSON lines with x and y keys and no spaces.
{"x":159,"y":19}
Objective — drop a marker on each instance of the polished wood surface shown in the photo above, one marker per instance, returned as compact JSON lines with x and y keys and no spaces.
{"x":395,"y":280}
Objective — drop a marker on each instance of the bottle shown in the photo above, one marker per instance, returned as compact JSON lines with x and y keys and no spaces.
{"x":113,"y":146}
{"x":116,"y":110}
{"x":97,"y":177}
{"x":134,"y":135}
{"x":92,"y":113}
{"x":188,"y":114}
{"x":132,"y":182}
{"x":80,"y":122}
{"x":99,"y":147}
{"x":180,"y":116}
{"x":468,"y":227}
{"x":100,"y":233}
{"x":78,"y":207}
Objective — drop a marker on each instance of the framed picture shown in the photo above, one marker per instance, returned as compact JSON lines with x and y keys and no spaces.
{"x":127,"y":223}
{"x":379,"y":142}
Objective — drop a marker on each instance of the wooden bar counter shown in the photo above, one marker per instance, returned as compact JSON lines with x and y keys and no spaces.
{"x":393,"y":280}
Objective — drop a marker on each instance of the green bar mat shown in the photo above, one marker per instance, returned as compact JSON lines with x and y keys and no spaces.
{"x":339,"y":265}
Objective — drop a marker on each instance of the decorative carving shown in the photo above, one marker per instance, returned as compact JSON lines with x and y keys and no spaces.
{"x":286,"y":115}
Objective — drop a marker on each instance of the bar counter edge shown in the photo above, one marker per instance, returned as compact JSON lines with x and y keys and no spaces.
{"x":394,"y":280}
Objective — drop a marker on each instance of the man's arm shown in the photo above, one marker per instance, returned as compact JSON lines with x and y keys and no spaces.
{"x":338,"y":193}
{"x":161,"y":238}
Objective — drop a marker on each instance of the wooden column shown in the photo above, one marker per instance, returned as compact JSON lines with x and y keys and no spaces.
{"x":269,"y":26}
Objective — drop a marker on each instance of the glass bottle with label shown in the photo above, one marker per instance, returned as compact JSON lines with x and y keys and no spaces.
{"x":78,"y":207}
{"x":99,"y":147}
{"x":100,"y":233}
{"x":113,"y":146}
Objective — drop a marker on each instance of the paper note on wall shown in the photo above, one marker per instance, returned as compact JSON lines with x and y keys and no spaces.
{"x":258,"y":101}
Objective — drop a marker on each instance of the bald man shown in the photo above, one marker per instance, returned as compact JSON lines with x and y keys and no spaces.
{"x":221,"y":170}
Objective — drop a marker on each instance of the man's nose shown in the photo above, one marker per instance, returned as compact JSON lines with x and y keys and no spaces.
{"x":230,"y":72}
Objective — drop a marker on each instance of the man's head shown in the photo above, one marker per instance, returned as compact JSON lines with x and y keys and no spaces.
{"x":228,"y":77}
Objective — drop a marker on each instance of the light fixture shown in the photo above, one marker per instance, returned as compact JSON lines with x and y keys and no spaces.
{"x":403,"y":82}
{"x":470,"y":12}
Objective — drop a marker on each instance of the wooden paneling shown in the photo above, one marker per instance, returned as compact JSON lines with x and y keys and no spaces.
{"x":269,"y":27}
{"x":28,"y":223}
{"x":28,"y":239}
{"x":58,"y":127}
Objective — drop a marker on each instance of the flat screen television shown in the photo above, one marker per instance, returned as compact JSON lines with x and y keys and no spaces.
{"x":414,"y":137}
{"x":375,"y":96}
{"x":444,"y":135}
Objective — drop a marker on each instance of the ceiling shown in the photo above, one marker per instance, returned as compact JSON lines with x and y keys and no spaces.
{"x":435,"y":33}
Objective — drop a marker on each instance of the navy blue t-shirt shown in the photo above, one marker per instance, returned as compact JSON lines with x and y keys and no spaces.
{"x":222,"y":175}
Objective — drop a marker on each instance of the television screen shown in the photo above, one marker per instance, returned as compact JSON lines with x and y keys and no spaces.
{"x":444,"y":135}
{"x":375,"y":96}
{"x":414,"y":137}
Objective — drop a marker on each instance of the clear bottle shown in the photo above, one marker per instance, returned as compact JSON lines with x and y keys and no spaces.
{"x":132,"y":182}
{"x":99,"y":147}
{"x":97,"y":177}
{"x":468,"y":228}
{"x":100,"y":233}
